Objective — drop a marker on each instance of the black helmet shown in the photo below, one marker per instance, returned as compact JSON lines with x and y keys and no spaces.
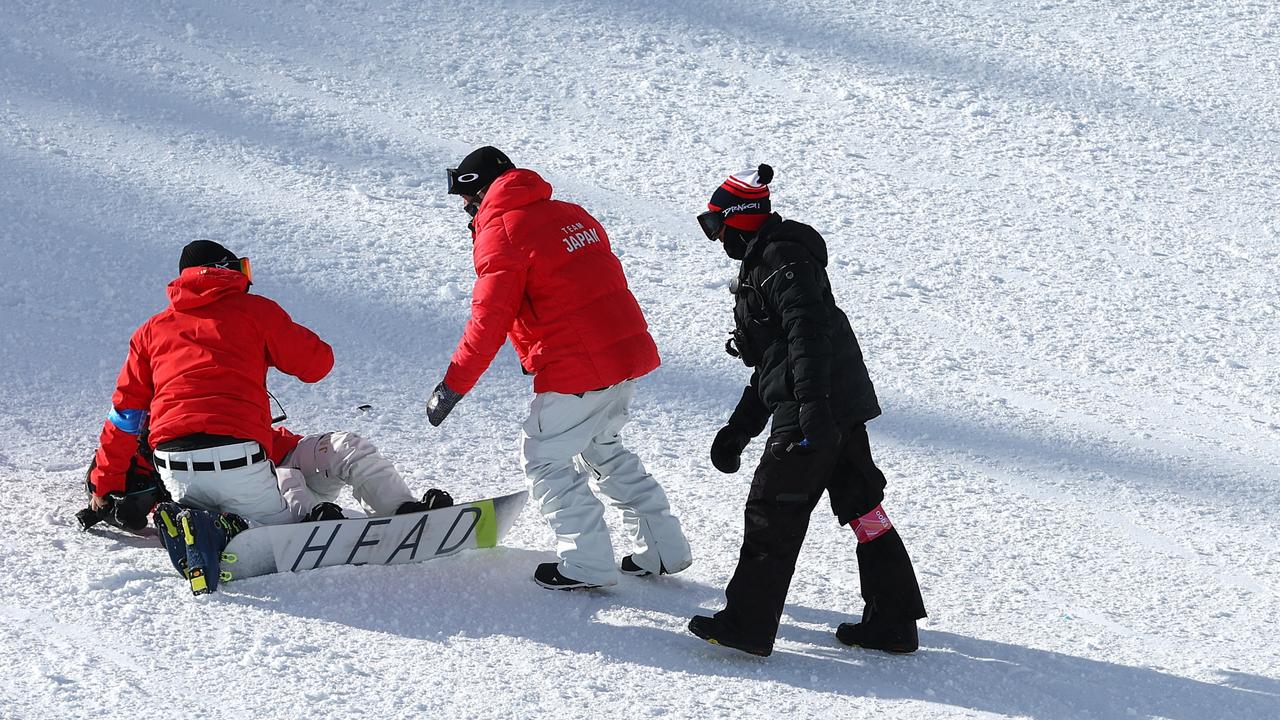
{"x":478,"y":170}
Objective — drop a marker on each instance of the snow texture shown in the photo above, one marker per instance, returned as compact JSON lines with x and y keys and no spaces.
{"x":1053,"y":225}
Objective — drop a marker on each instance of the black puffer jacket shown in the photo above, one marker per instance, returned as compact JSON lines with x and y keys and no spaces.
{"x":788,"y":328}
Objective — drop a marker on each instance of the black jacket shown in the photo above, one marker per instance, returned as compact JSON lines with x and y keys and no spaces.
{"x":788,"y":328}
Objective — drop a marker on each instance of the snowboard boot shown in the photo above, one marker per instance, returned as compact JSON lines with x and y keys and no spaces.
{"x":206,"y":535}
{"x":629,"y":567}
{"x":165,"y":519}
{"x":433,"y":499}
{"x":324,"y":511}
{"x":717,"y":632}
{"x":548,"y":576}
{"x":893,"y":636}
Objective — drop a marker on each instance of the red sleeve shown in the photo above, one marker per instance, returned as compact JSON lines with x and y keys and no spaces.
{"x":282,"y":443}
{"x":117,"y":445}
{"x":501,"y":271}
{"x":295,"y":350}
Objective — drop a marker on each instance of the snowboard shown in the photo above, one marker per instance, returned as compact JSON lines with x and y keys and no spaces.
{"x":391,"y":540}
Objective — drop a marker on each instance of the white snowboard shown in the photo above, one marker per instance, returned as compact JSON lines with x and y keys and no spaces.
{"x":377,"y":540}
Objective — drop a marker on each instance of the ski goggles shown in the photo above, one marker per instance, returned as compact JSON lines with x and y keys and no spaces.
{"x":711,"y":222}
{"x":242,"y":266}
{"x":453,"y":178}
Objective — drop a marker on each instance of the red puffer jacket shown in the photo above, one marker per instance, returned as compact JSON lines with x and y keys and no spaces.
{"x":200,"y":366}
{"x":547,"y":278}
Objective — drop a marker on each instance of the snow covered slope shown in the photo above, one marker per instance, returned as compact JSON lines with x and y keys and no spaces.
{"x":1054,"y":227}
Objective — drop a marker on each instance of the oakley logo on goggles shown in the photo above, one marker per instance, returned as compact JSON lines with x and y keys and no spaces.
{"x":453,"y":178}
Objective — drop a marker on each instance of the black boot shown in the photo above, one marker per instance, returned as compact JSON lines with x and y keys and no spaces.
{"x":717,"y":632}
{"x":629,"y":567}
{"x":875,"y":632}
{"x":433,"y":499}
{"x":324,"y":511}
{"x":548,"y":576}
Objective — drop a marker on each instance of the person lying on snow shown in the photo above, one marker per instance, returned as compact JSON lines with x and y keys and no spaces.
{"x":195,"y":379}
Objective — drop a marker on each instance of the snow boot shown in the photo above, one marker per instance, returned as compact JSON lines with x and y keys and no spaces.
{"x":717,"y":632}
{"x":893,"y":636}
{"x":165,"y":519}
{"x":548,"y":576}
{"x":206,"y":535}
{"x":629,"y":567}
{"x":433,"y":499}
{"x":324,"y":511}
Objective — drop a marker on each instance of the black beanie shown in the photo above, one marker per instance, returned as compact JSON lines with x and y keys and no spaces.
{"x":478,"y":170}
{"x":207,"y":253}
{"x":743,"y":199}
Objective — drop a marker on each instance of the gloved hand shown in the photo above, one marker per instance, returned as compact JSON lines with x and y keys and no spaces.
{"x":441,"y":403}
{"x":818,"y":425}
{"x":435,"y":498}
{"x":726,"y":449}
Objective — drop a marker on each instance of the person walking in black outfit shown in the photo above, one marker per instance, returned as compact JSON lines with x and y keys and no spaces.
{"x":809,"y":377}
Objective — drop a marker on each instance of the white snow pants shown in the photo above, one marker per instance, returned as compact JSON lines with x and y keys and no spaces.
{"x":313,"y":472}
{"x":329,"y":461}
{"x":568,"y":441}
{"x":250,"y":491}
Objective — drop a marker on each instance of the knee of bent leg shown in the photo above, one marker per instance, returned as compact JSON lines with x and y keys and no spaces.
{"x":345,"y":442}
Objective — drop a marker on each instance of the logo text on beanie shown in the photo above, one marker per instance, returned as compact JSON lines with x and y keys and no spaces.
{"x":742,"y":207}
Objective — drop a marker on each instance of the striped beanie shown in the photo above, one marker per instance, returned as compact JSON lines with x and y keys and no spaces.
{"x":743,"y":199}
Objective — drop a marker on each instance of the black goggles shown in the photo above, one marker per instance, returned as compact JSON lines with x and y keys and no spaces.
{"x":453,"y":177}
{"x":711,"y":222}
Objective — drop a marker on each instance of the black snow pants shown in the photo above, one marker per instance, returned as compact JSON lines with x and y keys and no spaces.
{"x":784,"y":492}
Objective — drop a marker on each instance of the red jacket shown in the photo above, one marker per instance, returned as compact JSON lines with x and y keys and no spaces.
{"x":547,"y":278}
{"x":200,"y":366}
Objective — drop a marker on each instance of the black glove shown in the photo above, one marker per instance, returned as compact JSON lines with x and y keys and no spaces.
{"x":435,"y":498}
{"x":726,"y":449}
{"x":818,"y":425}
{"x":324,"y":511}
{"x":441,"y":403}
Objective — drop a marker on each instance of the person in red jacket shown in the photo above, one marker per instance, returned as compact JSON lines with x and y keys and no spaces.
{"x":547,"y":279}
{"x":195,"y":381}
{"x":195,"y":376}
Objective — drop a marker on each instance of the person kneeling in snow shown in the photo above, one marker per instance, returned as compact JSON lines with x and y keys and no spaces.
{"x":195,"y":379}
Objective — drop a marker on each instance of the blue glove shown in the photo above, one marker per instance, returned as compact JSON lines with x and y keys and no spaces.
{"x":441,"y":403}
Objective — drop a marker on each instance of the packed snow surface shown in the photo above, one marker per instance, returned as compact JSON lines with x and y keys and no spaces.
{"x":1053,"y":225}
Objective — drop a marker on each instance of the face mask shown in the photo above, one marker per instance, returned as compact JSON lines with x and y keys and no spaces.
{"x":735,"y":243}
{"x":472,"y":207}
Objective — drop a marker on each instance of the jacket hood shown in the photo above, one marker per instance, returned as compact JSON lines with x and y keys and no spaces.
{"x":200,"y":286}
{"x":775,"y":229}
{"x":513,"y":189}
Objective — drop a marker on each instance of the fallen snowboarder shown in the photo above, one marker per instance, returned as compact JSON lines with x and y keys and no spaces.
{"x":195,"y":380}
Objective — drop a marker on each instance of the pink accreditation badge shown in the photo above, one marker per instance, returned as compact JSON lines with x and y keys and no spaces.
{"x":872,"y":525}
